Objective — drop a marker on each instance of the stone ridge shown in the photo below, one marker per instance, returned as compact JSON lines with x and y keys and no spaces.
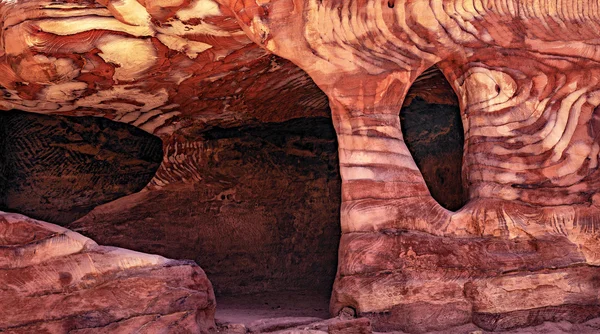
{"x":55,"y":280}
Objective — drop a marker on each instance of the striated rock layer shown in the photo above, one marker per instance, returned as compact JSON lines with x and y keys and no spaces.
{"x":526,"y":76}
{"x":55,"y":280}
{"x":58,"y":168}
{"x":274,"y":187}
{"x":523,"y":249}
{"x":439,"y":282}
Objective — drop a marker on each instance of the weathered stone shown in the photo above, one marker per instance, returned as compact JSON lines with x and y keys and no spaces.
{"x":58,"y":168}
{"x":354,"y":326}
{"x":526,"y":76}
{"x":261,"y":208}
{"x":56,"y":280}
{"x":277,"y":324}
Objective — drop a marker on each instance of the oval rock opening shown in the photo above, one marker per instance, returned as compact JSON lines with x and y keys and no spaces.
{"x":58,"y":168}
{"x":433,"y":132}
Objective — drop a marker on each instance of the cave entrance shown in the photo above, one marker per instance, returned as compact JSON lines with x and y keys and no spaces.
{"x":58,"y":168}
{"x":271,"y":218}
{"x":257,"y":206}
{"x":433,"y":132}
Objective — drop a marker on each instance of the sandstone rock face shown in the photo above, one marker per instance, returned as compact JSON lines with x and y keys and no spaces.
{"x":274,"y":186}
{"x":57,"y":281}
{"x":439,"y":281}
{"x":58,"y":168}
{"x":257,"y":207}
{"x":166,"y":68}
{"x":525,"y":76}
{"x":522,"y":250}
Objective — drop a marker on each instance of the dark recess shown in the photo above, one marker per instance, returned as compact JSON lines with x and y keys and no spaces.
{"x":263,"y":215}
{"x":302,"y":198}
{"x":434,"y":136}
{"x":58,"y":168}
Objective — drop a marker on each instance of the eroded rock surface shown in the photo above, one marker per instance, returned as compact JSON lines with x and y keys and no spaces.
{"x":58,"y":168}
{"x":55,"y":280}
{"x":274,"y":186}
{"x":523,"y":250}
{"x":257,"y":207}
{"x":526,"y":76}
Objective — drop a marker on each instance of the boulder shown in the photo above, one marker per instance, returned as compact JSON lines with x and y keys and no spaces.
{"x":55,"y":280}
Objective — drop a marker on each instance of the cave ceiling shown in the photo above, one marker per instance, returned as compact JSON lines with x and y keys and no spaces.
{"x":519,"y":246}
{"x":182,"y":73}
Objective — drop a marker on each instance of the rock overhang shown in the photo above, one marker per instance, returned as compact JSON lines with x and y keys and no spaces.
{"x":527,"y":102}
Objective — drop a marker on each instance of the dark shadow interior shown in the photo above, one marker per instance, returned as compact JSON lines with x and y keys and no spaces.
{"x":434,"y":135}
{"x":262,"y":217}
{"x":284,"y":183}
{"x":58,"y":168}
{"x":256,"y":206}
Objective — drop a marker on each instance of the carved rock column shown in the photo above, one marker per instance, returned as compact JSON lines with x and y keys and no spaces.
{"x":524,"y":249}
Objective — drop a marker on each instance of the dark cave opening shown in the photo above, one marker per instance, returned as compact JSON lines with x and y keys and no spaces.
{"x":433,"y":132}
{"x":262,"y":220}
{"x":58,"y":168}
{"x":286,"y":180}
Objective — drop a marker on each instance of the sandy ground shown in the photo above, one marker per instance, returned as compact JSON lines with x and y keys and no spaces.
{"x":246,"y":309}
{"x":289,"y":306}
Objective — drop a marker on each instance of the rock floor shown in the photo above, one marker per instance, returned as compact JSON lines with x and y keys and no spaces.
{"x":306,"y":312}
{"x":246,"y":309}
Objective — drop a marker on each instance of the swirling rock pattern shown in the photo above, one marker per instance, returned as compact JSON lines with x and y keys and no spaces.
{"x":525,"y":72}
{"x":58,"y":281}
{"x":164,"y":67}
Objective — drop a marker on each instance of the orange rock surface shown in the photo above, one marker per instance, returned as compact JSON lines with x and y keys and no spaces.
{"x":523,"y":249}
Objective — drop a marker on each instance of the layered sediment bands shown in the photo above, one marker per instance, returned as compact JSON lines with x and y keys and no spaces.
{"x":161,"y":69}
{"x":531,"y":138}
{"x":235,"y":174}
{"x":257,"y":207}
{"x":439,"y":282}
{"x":57,"y":281}
{"x":524,"y":74}
{"x":59,"y":168}
{"x":502,"y":90}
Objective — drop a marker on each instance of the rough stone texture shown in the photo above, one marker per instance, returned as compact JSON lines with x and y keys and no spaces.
{"x":450,"y":282}
{"x":526,"y":76}
{"x":354,"y":326}
{"x":167,"y":69}
{"x":284,"y":244}
{"x":525,"y":73}
{"x":361,"y":325}
{"x":58,"y":168}
{"x":55,"y":280}
{"x":276,"y":324}
{"x":256,"y":207}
